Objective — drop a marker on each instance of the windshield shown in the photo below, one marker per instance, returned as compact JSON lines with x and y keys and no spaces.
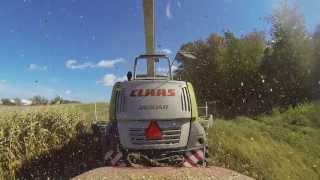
{"x":162,"y":68}
{"x":253,"y":67}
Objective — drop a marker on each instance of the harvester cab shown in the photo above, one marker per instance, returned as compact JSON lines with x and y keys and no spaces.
{"x":153,"y":119}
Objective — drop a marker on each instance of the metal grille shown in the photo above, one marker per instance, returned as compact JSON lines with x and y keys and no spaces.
{"x":170,"y":136}
{"x":121,"y":101}
{"x":185,"y":100}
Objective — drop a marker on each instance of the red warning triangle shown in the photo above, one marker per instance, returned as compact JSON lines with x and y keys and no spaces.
{"x":153,"y":132}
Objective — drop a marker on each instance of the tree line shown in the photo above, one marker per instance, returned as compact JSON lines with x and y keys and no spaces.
{"x":258,"y":71}
{"x":37,"y":100}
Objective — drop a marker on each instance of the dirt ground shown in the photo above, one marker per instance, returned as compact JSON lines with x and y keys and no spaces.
{"x":160,"y":173}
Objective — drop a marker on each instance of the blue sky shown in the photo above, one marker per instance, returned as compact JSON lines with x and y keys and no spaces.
{"x":78,"y":48}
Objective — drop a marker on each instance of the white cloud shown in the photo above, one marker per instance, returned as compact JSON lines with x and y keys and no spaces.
{"x":109,"y":63}
{"x":121,"y":79}
{"x":35,"y":67}
{"x":165,"y":51}
{"x":174,"y":68}
{"x":68,"y":92}
{"x":165,"y":71}
{"x":110,"y":79}
{"x":168,"y":10}
{"x":3,"y":81}
{"x":26,"y":102}
{"x":162,"y":71}
{"x":73,"y":64}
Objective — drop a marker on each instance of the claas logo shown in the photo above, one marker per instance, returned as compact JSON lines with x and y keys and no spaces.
{"x":152,"y":92}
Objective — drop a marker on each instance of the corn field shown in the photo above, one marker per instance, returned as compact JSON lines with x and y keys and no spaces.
{"x":34,"y":134}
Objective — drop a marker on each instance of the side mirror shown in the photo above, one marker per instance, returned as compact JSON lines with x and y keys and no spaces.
{"x":185,"y":55}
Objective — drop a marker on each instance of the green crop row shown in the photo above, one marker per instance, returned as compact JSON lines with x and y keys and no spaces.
{"x":29,"y":133}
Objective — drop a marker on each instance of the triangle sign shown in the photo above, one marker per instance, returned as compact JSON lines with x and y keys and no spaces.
{"x":153,"y":132}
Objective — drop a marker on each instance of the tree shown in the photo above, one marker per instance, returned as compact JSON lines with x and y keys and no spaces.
{"x":240,"y":76}
{"x":6,"y":101}
{"x":39,"y":100}
{"x":224,"y":71}
{"x":316,"y":69}
{"x":287,"y":68}
{"x":193,"y":70}
{"x":247,"y":75}
{"x":57,"y":100}
{"x":17,"y":101}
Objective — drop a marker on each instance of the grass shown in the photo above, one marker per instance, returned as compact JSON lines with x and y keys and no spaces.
{"x":281,"y":146}
{"x":56,"y":141}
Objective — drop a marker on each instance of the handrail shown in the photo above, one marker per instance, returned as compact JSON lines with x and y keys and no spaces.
{"x":150,"y":56}
{"x":205,"y":107}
